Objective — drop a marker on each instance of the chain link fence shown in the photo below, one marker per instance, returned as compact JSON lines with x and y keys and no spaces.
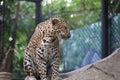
{"x":84,"y":46}
{"x":114,"y":33}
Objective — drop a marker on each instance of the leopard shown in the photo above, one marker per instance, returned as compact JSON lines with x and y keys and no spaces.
{"x":42,"y":55}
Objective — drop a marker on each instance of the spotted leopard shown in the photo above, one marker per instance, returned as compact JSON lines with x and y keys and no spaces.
{"x":42,"y":55}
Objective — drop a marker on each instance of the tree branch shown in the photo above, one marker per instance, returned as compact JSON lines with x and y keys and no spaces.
{"x":7,"y":61}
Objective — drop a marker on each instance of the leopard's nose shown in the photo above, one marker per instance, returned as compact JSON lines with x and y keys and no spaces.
{"x":63,"y":36}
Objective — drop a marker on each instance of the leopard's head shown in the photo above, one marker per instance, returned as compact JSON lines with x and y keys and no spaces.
{"x":62,"y":30}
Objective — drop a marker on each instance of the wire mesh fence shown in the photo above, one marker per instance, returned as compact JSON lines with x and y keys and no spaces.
{"x":114,"y":33}
{"x":84,"y":46}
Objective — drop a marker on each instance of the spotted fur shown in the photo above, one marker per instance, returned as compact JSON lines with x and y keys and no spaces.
{"x":42,"y":55}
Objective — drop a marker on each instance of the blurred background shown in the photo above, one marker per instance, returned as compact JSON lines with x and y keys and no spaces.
{"x":95,"y":30}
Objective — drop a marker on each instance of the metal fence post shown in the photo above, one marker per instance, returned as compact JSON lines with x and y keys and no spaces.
{"x":104,"y":19}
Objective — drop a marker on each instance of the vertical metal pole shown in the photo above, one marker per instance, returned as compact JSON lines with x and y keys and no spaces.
{"x":104,"y":18}
{"x":38,"y":13}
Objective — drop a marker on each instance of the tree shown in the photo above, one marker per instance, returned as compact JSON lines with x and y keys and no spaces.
{"x":6,"y":61}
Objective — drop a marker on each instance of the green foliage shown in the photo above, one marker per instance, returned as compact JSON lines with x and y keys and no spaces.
{"x":25,"y":28}
{"x":114,"y":6}
{"x":26,"y":24}
{"x":75,"y":12}
{"x":7,"y":10}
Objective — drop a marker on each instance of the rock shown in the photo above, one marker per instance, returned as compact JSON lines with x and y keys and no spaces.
{"x":105,"y":69}
{"x":5,"y":76}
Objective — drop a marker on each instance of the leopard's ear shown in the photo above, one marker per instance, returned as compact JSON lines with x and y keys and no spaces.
{"x":54,"y":21}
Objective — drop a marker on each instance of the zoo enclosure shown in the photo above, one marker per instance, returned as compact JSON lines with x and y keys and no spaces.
{"x":91,"y":34}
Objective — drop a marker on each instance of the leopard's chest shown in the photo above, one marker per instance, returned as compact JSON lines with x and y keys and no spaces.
{"x":47,"y":52}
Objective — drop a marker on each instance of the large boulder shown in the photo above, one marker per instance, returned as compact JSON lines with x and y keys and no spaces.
{"x":105,"y":69}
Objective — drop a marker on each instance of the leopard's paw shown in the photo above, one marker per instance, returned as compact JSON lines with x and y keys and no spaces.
{"x":58,"y":78}
{"x":30,"y":78}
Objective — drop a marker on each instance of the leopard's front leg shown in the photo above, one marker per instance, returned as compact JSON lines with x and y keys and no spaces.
{"x":29,"y":67}
{"x":42,"y":71}
{"x":41,"y":68}
{"x":55,"y":68}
